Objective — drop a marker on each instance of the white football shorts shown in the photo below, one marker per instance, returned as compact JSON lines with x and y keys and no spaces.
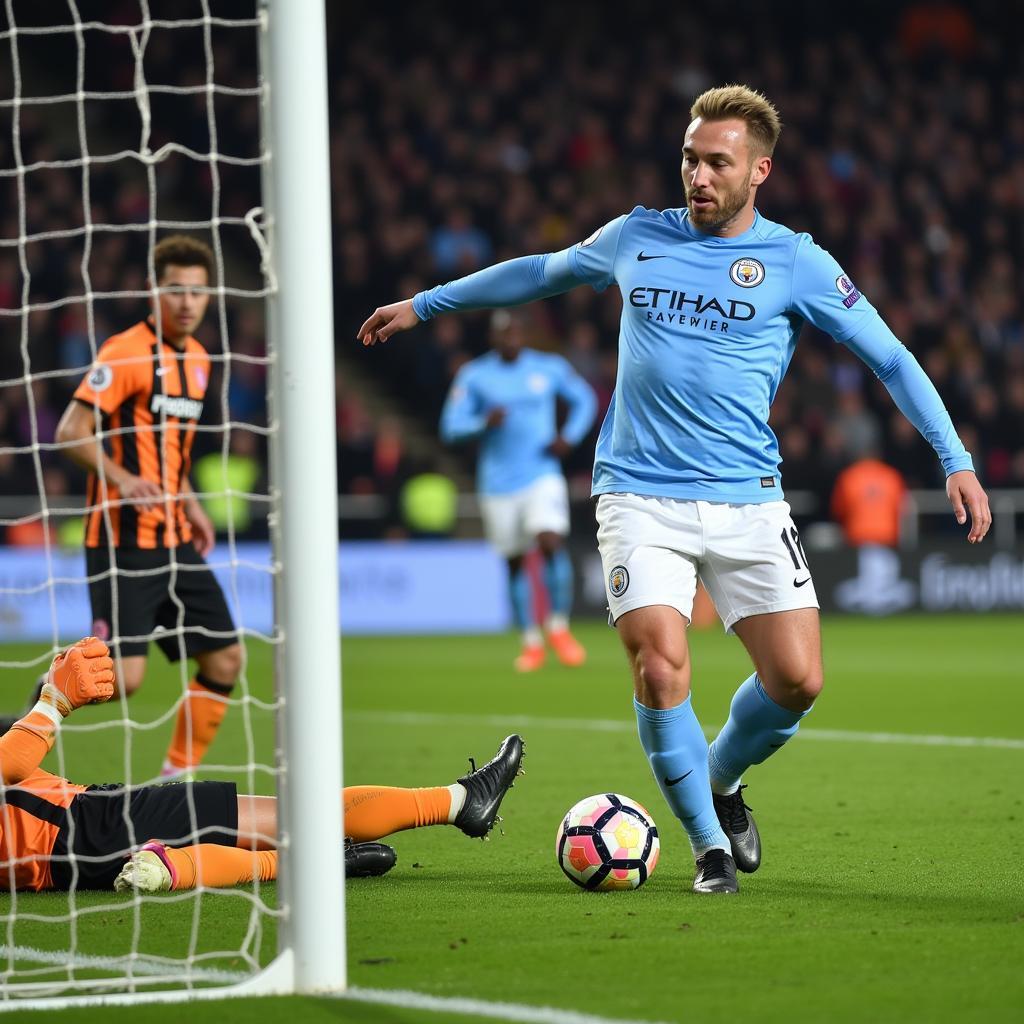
{"x":748,"y":556}
{"x":512,"y":521}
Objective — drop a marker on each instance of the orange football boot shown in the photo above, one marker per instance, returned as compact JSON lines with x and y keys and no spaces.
{"x":567,"y":648}
{"x":531,"y":659}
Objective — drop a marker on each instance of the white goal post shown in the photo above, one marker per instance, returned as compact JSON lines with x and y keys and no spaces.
{"x":302,"y":319}
{"x":293,"y":233}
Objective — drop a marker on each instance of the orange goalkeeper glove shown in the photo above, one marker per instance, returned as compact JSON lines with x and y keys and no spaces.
{"x":83,"y":674}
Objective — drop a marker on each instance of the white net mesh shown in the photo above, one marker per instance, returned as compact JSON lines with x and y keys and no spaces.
{"x":120,"y":124}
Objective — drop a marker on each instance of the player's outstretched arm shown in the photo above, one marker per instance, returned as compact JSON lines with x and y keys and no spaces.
{"x":967,"y":495}
{"x":83,"y":674}
{"x":512,"y":283}
{"x":387,"y":320}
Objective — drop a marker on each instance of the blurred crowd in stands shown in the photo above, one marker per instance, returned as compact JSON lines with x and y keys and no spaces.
{"x":462,"y":135}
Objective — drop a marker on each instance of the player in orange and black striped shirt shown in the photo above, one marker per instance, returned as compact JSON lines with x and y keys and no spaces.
{"x":131,"y":423}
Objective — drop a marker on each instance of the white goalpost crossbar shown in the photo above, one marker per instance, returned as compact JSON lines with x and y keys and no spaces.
{"x":296,"y":256}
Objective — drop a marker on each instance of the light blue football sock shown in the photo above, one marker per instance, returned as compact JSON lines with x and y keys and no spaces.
{"x":522,"y":598}
{"x":757,"y":727}
{"x":678,"y":753}
{"x":558,"y":580}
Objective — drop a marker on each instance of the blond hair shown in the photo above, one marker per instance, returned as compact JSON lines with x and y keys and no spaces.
{"x":727,"y":102}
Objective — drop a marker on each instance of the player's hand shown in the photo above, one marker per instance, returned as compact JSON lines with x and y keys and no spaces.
{"x":559,"y":447}
{"x":967,"y":495}
{"x":83,"y":674}
{"x":495,"y":418}
{"x":137,"y":490}
{"x":203,"y":533}
{"x":388,"y":320}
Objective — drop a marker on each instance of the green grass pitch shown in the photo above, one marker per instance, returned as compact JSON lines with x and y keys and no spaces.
{"x":892,"y":886}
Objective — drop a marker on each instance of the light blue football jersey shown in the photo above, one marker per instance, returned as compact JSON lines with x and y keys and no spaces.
{"x":515,"y":453}
{"x":707,"y":332}
{"x":708,"y":329}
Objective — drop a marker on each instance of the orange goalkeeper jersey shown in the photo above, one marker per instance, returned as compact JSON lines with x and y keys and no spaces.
{"x":32,"y":813}
{"x":150,"y":397}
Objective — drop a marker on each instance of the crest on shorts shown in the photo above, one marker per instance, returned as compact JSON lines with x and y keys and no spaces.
{"x":101,"y":377}
{"x":618,"y":581}
{"x":101,"y":629}
{"x":747,"y":272}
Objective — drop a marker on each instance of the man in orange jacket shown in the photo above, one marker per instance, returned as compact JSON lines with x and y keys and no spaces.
{"x":868,"y":502}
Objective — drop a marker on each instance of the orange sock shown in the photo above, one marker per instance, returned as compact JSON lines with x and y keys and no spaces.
{"x":24,"y":746}
{"x":375,"y":811}
{"x":199,"y":718}
{"x":220,"y":866}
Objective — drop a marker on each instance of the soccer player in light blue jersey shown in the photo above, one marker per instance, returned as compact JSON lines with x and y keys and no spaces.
{"x":507,"y":400}
{"x":687,"y":469}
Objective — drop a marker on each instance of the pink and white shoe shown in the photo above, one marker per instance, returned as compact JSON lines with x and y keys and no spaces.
{"x":149,"y":869}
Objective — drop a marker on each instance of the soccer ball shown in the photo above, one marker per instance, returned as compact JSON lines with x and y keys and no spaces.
{"x":607,"y":842}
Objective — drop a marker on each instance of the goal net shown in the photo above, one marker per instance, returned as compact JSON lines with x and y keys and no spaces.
{"x":121,"y":124}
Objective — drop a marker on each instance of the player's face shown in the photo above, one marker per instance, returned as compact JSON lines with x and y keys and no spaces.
{"x":508,"y":342}
{"x":183,"y":300}
{"x":720,"y":174}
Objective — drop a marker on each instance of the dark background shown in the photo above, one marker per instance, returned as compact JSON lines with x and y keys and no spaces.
{"x":461,"y":135}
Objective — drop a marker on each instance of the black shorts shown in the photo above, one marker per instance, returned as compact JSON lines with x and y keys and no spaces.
{"x":145,"y":601}
{"x":98,"y":837}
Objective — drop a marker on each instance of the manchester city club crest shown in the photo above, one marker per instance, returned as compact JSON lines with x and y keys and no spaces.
{"x":618,"y":581}
{"x":747,"y":272}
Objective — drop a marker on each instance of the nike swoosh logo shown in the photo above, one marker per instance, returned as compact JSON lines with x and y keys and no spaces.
{"x":672,"y":782}
{"x":776,"y":745}
{"x":640,"y":257}
{"x":800,"y":583}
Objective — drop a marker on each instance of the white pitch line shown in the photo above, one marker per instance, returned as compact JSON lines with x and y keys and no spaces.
{"x":418,"y":718}
{"x":518,"y":1012}
{"x":167,"y":970}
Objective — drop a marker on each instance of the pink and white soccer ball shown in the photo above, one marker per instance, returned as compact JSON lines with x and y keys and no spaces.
{"x":607,"y":841}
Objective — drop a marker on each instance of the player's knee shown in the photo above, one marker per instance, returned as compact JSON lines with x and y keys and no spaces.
{"x":222,"y":666}
{"x":662,"y":681}
{"x":801,"y":685}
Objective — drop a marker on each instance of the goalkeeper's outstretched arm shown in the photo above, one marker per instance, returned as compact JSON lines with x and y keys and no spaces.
{"x":83,"y":674}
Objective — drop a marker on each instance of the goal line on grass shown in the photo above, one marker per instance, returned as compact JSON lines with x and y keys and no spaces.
{"x":156,"y":971}
{"x":419,"y":718}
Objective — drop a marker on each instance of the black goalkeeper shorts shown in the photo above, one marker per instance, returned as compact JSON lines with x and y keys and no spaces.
{"x":95,"y":840}
{"x":145,"y":601}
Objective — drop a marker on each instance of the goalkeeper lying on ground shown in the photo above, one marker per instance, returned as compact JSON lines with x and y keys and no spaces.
{"x":58,"y":835}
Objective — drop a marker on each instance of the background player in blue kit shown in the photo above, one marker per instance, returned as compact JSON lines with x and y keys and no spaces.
{"x":507,"y":399}
{"x":687,"y":469}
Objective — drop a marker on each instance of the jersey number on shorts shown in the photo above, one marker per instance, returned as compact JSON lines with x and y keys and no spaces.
{"x":795,"y":548}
